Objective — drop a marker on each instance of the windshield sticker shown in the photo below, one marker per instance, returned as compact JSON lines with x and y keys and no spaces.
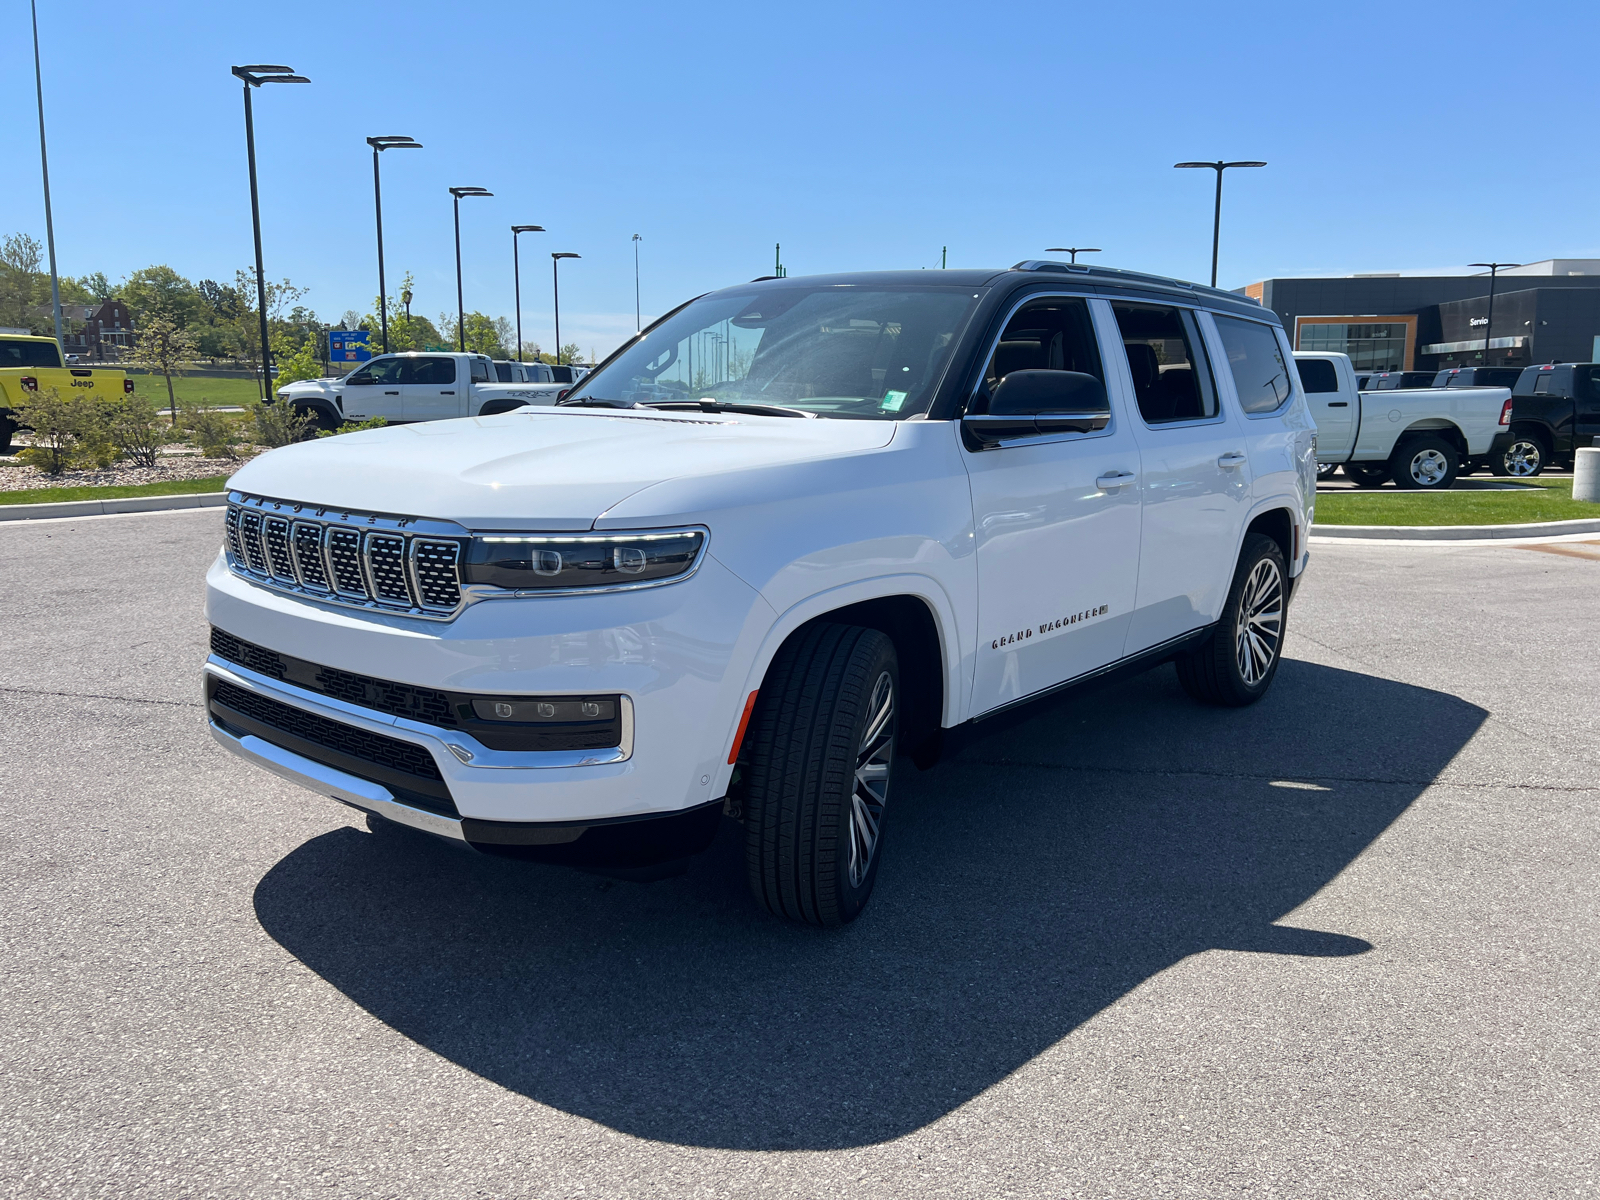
{"x":893,"y":400}
{"x":1049,"y":627}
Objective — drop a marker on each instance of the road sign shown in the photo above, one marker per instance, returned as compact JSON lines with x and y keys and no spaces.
{"x":348,"y":346}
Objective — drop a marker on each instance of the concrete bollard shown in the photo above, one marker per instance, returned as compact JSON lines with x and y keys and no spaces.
{"x":1586,"y":474}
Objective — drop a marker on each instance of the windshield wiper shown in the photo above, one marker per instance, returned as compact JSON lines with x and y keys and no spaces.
{"x":592,"y":402}
{"x":716,"y":406}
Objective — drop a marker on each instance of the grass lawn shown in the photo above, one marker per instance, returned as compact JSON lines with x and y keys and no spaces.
{"x":174,"y":487}
{"x":1552,"y":501}
{"x":221,"y":392}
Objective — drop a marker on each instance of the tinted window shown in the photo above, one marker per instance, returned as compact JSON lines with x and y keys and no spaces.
{"x":560,"y":374}
{"x":502,"y":372}
{"x":1171,"y":377}
{"x":1052,"y":334}
{"x":29,"y":354}
{"x":1541,"y":386}
{"x":480,"y":371}
{"x":379,"y":370}
{"x":1317,"y":375}
{"x":1259,"y":373}
{"x":431,"y":370}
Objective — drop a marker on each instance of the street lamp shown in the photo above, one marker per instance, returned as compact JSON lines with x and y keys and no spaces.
{"x":1488,"y":324}
{"x":516,"y":275}
{"x":555,"y":273}
{"x":378,"y":145}
{"x":405,"y":298}
{"x":1073,"y":250}
{"x":1216,"y":220}
{"x":637,"y":323}
{"x":253,"y":77}
{"x":461,"y":311}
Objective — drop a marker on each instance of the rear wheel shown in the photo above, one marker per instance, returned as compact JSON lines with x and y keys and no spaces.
{"x":1524,"y":458}
{"x":1366,"y":474}
{"x":1326,"y":471}
{"x":1236,"y":665}
{"x":318,"y":421}
{"x":1425,"y":463}
{"x":816,"y":769}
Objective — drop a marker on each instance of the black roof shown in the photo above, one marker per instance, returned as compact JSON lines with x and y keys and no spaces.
{"x":1094,"y":277}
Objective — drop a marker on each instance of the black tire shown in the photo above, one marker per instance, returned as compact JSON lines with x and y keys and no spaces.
{"x":321,"y":422}
{"x":1237,"y":664}
{"x":1367,"y":474}
{"x":811,"y":739}
{"x":7,"y":428}
{"x":1525,"y":457}
{"x":1326,"y":471}
{"x":1424,"y":462}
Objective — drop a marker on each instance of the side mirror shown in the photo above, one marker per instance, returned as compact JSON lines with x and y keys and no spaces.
{"x":1030,"y":403}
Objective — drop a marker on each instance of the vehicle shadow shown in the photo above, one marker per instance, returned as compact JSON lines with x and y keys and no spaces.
{"x":1045,"y":870}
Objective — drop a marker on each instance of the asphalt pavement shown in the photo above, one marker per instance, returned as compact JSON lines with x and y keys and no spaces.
{"x":1343,"y":943}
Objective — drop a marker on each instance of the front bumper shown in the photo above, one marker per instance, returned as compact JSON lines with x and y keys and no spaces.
{"x":676,"y":656}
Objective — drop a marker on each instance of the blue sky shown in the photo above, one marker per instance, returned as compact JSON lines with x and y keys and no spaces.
{"x":861,"y":136}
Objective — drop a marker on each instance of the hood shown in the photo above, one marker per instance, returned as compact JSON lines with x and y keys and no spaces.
{"x":544,"y":469}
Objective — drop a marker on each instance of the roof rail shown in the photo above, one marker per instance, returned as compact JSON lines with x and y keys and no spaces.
{"x":1117,"y":273}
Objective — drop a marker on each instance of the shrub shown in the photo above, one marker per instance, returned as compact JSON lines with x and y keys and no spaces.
{"x":135,"y":428}
{"x":216,"y":433}
{"x":354,"y":426}
{"x":277,"y":424}
{"x":68,"y":431}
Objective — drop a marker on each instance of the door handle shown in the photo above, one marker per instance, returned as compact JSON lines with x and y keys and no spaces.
{"x":1113,"y":480}
{"x":442,"y":392}
{"x":1338,"y":404}
{"x":391,"y":393}
{"x":1233,"y":458}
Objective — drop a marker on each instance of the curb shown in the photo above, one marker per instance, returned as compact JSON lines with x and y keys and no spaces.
{"x":1455,"y":533}
{"x":95,"y":508}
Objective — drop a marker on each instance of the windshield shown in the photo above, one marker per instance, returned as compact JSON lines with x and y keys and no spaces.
{"x":840,"y":351}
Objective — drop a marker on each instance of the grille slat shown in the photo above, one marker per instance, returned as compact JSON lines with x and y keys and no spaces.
{"x":386,"y":567}
{"x":437,"y":569}
{"x":277,"y":540}
{"x":255,"y":556}
{"x":344,"y":557}
{"x":231,"y":525}
{"x":307,"y":542}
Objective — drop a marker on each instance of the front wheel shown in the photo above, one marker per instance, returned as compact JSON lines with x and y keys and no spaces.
{"x":1367,"y":475}
{"x":816,"y":769}
{"x":1236,"y":665}
{"x":1424,"y":463}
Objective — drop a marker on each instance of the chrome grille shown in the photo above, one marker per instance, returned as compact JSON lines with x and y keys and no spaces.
{"x":308,"y":556}
{"x":277,"y":539}
{"x":363,"y":560}
{"x":437,"y":569}
{"x":344,"y":562}
{"x":250,"y":534}
{"x":386,"y":567}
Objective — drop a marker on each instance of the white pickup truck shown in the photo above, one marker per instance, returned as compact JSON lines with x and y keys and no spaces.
{"x":403,"y":388}
{"x":1421,"y":438}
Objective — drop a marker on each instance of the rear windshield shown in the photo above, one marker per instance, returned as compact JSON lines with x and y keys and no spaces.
{"x":21,"y":353}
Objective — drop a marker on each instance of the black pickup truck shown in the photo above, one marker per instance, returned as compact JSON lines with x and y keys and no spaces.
{"x":1554,"y":409}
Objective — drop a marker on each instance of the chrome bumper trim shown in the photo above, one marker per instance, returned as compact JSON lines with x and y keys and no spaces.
{"x":451,"y":749}
{"x":347,"y":789}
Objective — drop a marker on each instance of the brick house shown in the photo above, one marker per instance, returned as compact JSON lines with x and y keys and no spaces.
{"x":98,"y":331}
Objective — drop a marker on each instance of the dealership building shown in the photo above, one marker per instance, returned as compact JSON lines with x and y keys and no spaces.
{"x":1543,"y":312}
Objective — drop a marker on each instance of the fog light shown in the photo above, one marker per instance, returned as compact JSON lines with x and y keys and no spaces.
{"x":536,"y":711}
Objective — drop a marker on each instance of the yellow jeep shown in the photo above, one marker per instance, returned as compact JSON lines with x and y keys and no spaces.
{"x":32,"y":364}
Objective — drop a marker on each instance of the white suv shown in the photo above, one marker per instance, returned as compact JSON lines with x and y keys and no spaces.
{"x":761,"y":555}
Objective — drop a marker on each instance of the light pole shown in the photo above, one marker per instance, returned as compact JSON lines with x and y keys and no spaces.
{"x":461,"y":311}
{"x":637,"y":322}
{"x":1073,"y":250}
{"x":555,"y":275}
{"x":44,"y":166}
{"x":1488,"y":324}
{"x":253,"y":77}
{"x":378,"y":145}
{"x":1216,"y":220}
{"x":516,"y":275}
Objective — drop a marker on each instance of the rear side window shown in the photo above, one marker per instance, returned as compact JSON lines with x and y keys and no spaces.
{"x":480,"y":371}
{"x":561,"y":374}
{"x":1171,"y":376}
{"x":1260,"y":375}
{"x":502,"y":372}
{"x":1317,"y":375}
{"x":432,"y":371}
{"x":1541,"y":386}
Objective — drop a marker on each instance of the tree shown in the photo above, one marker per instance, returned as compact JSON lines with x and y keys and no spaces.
{"x":570,"y":352}
{"x":485,"y":334}
{"x":415,"y":332}
{"x":21,"y":281}
{"x":160,"y":289}
{"x":163,"y":346}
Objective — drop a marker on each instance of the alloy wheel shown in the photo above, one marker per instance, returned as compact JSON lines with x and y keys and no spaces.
{"x":871,"y":791}
{"x":1258,"y":629}
{"x":1429,"y":467}
{"x":1523,"y":458}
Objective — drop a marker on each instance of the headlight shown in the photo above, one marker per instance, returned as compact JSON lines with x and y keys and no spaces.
{"x":546,"y":562}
